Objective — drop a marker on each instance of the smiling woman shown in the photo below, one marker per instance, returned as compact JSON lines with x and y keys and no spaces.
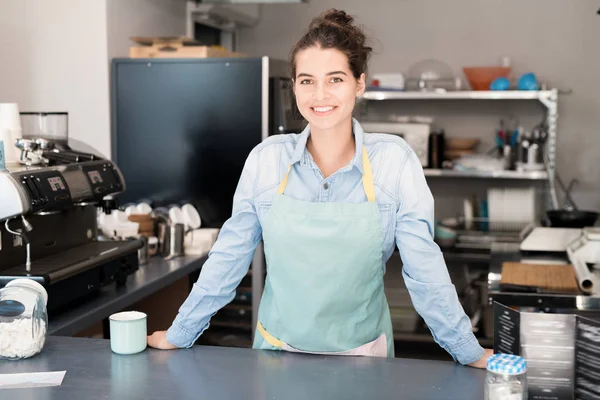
{"x":328,"y":66}
{"x":331,"y":204}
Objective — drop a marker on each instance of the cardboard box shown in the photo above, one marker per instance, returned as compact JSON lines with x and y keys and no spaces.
{"x":176,"y":47}
{"x":562,"y":351}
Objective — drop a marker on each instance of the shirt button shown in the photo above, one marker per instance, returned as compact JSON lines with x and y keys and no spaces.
{"x":326,"y":186}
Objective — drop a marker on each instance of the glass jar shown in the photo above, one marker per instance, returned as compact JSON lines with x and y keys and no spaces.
{"x":52,"y":126}
{"x":506,"y":378}
{"x":23,"y":319}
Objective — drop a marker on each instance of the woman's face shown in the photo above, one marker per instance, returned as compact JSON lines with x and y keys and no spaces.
{"x":325,"y":88}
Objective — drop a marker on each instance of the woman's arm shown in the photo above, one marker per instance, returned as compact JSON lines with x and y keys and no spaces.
{"x":227,"y":264}
{"x":424,"y":270}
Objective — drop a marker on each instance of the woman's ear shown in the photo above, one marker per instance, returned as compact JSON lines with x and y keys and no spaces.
{"x":294,"y":86}
{"x":360,"y":89}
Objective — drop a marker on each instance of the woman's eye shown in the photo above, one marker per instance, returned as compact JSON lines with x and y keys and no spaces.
{"x":305,"y":82}
{"x":336,"y":79}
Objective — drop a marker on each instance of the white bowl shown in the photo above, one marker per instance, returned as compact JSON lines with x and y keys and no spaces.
{"x":191,"y":216}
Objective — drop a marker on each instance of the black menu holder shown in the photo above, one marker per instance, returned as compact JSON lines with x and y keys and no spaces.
{"x":562,"y":352}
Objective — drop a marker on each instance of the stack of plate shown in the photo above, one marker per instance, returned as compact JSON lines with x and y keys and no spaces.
{"x":511,"y":209}
{"x":460,"y":147}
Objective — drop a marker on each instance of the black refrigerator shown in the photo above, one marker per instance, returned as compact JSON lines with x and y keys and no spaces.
{"x":183,"y":128}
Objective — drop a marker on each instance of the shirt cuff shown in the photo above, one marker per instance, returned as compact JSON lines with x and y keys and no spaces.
{"x":181,"y":337}
{"x":467,"y":351}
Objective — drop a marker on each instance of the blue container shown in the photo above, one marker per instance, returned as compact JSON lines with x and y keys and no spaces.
{"x":528,"y":81}
{"x":500,"y":84}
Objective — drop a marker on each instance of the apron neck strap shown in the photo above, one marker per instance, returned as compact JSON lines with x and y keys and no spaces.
{"x":367,"y":178}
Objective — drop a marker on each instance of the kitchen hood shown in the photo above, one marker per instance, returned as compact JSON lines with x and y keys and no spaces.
{"x":227,"y":17}
{"x":230,"y":14}
{"x":253,"y":1}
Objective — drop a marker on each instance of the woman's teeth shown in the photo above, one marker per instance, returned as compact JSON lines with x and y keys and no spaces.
{"x":322,"y":109}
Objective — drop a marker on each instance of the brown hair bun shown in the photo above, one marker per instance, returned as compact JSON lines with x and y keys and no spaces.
{"x":335,"y":29}
{"x":333,"y":17}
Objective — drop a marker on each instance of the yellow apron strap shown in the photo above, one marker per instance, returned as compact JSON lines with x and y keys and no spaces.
{"x":268,"y":337}
{"x":367,"y":177}
{"x":283,"y":183}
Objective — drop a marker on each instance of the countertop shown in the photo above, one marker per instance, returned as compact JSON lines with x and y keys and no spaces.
{"x":150,"y":278}
{"x":94,"y":372}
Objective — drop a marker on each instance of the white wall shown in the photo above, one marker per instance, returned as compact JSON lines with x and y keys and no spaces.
{"x":53,"y":58}
{"x":127,"y":18}
{"x":56,"y":54}
{"x":555,"y":38}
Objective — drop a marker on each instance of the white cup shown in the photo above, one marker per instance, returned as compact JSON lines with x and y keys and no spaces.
{"x":119,"y":216}
{"x":176,"y":215}
{"x":128,"y":332}
{"x":130,"y":210}
{"x":191,"y":216}
{"x":144,"y":208}
{"x":10,"y":117}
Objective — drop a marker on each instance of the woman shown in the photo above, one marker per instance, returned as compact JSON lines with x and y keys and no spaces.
{"x":329,"y":204}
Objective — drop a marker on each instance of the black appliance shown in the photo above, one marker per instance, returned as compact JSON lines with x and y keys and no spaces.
{"x":49,"y":230}
{"x":183,"y":128}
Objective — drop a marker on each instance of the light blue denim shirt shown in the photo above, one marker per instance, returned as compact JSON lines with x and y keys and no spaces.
{"x":406,"y":207}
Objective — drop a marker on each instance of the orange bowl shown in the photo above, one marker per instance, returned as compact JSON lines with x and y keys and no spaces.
{"x":480,"y":78}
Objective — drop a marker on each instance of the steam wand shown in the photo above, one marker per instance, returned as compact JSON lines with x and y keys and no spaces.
{"x":22,"y":235}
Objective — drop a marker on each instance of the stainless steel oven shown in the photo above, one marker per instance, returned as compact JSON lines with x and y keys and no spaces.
{"x":284,"y":116}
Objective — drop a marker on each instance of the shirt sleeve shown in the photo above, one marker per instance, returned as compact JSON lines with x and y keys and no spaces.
{"x":424,"y":269}
{"x":227,"y":264}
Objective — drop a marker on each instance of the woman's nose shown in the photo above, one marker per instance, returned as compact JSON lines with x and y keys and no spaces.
{"x":321,"y":92}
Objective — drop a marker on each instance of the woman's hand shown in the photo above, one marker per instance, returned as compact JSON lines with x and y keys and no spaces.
{"x":483,"y":360}
{"x":158,"y":340}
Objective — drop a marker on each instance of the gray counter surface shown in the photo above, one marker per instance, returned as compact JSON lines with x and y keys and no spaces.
{"x":148,"y":279}
{"x":215,"y":373}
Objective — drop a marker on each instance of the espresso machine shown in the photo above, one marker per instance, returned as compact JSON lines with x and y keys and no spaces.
{"x":48,"y":222}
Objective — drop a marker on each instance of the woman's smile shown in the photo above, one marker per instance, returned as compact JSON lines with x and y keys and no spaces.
{"x":323,"y":111}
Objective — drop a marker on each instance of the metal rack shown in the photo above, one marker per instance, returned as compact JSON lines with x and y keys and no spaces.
{"x":548,"y":98}
{"x":476,"y":238}
{"x":451,"y":173}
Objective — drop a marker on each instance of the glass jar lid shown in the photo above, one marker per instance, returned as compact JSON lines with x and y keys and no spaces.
{"x":507,"y":364}
{"x":31,"y":284}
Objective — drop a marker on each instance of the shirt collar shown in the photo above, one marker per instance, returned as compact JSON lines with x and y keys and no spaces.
{"x":302,"y":155}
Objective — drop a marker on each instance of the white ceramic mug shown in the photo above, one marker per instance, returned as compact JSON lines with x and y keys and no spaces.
{"x":176,"y":215}
{"x":144,"y":208}
{"x":191,"y":216}
{"x":128,"y":332}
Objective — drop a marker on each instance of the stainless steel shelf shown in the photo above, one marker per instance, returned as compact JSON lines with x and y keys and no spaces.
{"x":549,"y":98}
{"x":533,"y":175}
{"x":542,"y":95}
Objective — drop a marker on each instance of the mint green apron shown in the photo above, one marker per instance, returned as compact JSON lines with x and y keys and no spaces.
{"x":324,"y":285}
